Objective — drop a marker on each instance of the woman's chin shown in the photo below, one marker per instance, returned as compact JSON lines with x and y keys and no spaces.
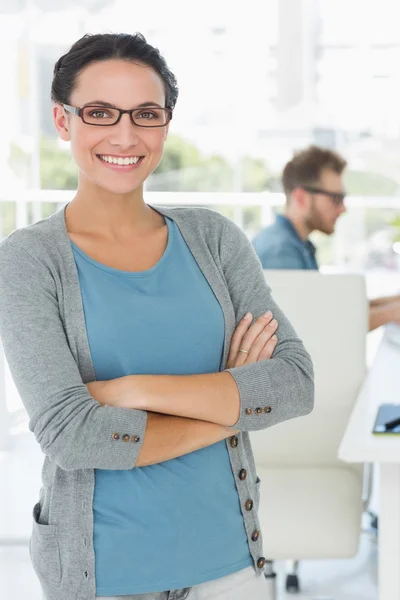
{"x":119,"y":188}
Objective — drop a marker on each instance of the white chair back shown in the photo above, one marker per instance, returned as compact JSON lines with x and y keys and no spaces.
{"x":330,"y":315}
{"x":311,"y":502}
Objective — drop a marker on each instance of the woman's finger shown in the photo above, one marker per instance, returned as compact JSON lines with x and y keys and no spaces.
{"x":245,"y":351}
{"x":237,"y":337}
{"x":268,"y":349}
{"x":256,"y":328}
{"x":261,"y":340}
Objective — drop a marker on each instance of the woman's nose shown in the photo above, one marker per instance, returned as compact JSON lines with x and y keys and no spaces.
{"x":125,"y":133}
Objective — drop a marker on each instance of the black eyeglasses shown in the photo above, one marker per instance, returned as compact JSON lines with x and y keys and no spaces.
{"x":104,"y":116}
{"x":336,"y":197}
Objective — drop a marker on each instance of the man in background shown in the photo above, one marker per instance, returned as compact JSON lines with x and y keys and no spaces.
{"x":313,"y":186}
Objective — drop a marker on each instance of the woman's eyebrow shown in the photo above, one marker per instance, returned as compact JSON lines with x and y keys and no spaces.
{"x":99,"y":103}
{"x":144,"y":104}
{"x":109,"y":105}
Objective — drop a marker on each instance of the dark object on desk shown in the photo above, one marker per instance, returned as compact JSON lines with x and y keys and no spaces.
{"x":387,"y":420}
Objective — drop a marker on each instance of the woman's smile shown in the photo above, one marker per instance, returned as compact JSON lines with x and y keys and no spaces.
{"x":119,"y":162}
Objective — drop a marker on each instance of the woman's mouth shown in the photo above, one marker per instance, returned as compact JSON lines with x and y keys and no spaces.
{"x":120,"y":163}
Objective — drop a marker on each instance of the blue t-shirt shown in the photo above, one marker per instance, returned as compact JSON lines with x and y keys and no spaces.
{"x":177,"y":523}
{"x":279,"y":246}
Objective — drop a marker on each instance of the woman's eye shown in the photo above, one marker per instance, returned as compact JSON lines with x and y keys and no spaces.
{"x":147,"y":115}
{"x":99,"y":114}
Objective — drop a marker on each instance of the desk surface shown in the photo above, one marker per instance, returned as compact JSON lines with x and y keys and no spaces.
{"x":381,"y":386}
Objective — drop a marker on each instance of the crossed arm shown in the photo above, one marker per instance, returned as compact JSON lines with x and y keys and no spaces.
{"x":189,"y":412}
{"x":199,"y":409}
{"x":212,"y":397}
{"x":169,"y":437}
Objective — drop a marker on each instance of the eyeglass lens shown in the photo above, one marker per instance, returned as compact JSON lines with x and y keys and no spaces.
{"x":144,"y":117}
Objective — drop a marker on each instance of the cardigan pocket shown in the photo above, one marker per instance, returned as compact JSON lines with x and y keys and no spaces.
{"x":44,"y":549}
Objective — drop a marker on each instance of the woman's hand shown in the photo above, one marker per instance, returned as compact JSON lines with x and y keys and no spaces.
{"x":252,"y":342}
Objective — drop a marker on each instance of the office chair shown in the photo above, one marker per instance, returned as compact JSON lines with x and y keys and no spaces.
{"x":311,"y":502}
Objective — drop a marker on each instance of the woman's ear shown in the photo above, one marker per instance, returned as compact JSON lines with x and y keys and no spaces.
{"x":61,"y":122}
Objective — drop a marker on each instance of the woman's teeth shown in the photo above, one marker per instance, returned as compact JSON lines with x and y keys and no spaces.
{"x":128,"y":160}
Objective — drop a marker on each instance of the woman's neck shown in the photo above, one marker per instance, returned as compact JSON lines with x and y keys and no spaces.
{"x":116,"y":217}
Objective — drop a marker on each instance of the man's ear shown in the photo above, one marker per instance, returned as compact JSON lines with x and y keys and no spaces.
{"x":299,"y":197}
{"x":61,"y":122}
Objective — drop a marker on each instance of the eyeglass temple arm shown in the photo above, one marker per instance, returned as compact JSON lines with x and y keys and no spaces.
{"x":72,"y":109}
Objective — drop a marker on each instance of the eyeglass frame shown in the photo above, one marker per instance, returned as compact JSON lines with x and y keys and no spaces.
{"x":336,"y":197}
{"x":78,"y":111}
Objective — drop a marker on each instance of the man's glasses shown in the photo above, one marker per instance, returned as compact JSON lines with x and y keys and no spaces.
{"x":336,"y":197}
{"x":151,"y":116}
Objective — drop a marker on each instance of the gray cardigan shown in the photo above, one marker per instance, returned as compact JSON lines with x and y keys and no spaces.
{"x":43,"y":330}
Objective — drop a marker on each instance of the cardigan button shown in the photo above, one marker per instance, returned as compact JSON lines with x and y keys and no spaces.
{"x":234,"y":441}
{"x":126,"y":437}
{"x":267,"y":409}
{"x":261,"y":562}
{"x":135,"y":439}
{"x":242,"y":474}
{"x":249,"y":504}
{"x":259,"y":411}
{"x":115,"y":436}
{"x":249,"y":411}
{"x":255,"y":535}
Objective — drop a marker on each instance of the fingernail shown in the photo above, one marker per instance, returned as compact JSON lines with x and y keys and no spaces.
{"x":273,"y":323}
{"x":247,"y":316}
{"x":267,"y":314}
{"x":274,"y":337}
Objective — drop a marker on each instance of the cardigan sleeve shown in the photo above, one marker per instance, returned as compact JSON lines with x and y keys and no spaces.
{"x":72,"y":428}
{"x":274,"y":390}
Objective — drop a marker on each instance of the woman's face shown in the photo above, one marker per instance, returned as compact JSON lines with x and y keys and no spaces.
{"x":125,"y":85}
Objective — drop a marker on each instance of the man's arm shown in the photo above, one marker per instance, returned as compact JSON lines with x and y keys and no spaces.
{"x":385,"y":300}
{"x":383,"y":313}
{"x":168,"y":437}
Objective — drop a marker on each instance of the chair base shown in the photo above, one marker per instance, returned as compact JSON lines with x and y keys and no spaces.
{"x":292,"y":584}
{"x":270,"y":578}
{"x":292,"y":577}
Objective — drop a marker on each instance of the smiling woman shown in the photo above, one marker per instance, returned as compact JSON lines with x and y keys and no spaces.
{"x":86,"y":113}
{"x":143,"y":344}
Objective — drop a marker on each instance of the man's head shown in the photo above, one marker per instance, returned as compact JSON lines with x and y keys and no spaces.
{"x":312,"y":182}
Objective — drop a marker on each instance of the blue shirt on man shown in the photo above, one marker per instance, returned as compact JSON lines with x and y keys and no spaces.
{"x":279,"y":246}
{"x":177,"y":523}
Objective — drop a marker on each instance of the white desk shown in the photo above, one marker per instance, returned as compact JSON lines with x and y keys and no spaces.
{"x":382,"y":385}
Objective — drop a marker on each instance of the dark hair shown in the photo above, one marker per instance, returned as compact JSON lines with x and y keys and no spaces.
{"x":306,"y":166}
{"x":93,"y":48}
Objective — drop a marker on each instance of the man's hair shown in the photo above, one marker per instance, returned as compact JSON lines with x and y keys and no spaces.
{"x":306,"y":167}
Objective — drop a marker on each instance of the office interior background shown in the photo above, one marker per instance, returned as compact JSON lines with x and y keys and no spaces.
{"x":257,"y":81}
